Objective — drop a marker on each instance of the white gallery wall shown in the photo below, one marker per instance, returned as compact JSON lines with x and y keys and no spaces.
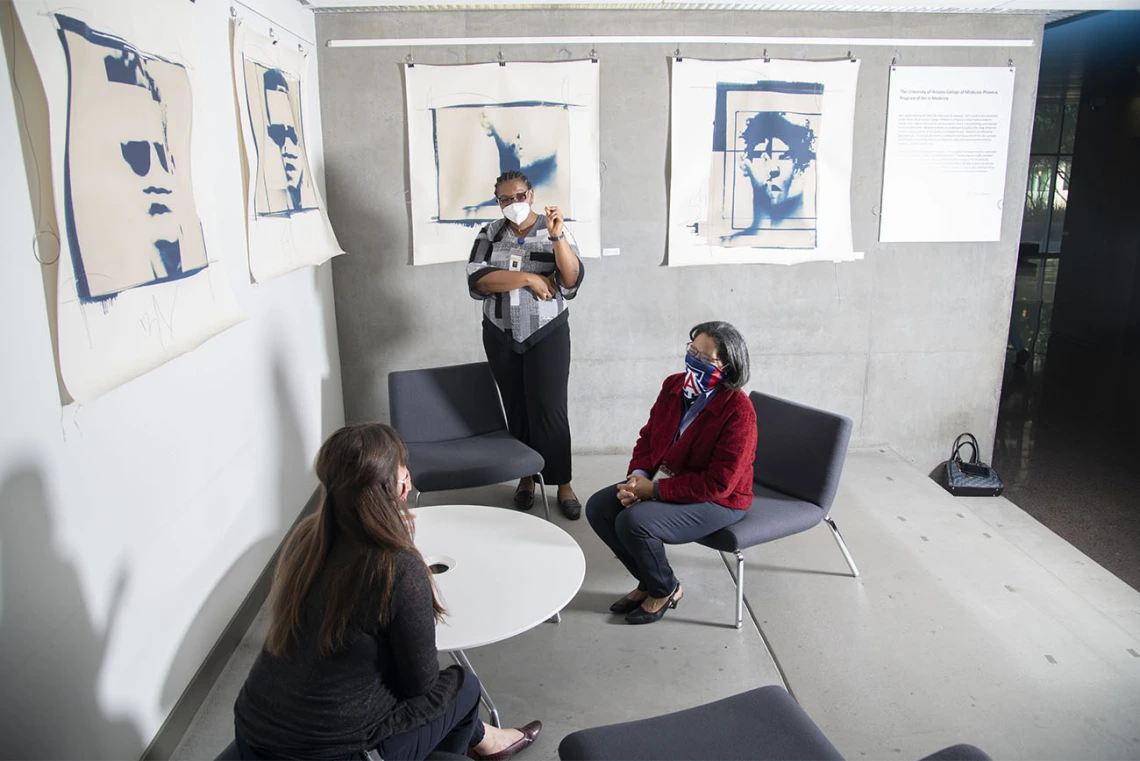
{"x":132,"y":527}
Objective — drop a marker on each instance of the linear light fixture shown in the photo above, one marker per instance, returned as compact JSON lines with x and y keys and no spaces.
{"x":843,"y":42}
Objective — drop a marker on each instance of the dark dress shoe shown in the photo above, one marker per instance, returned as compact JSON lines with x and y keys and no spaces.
{"x":571,"y":508}
{"x":625,"y":605}
{"x":529,"y":732}
{"x":524,"y":498}
{"x":640,"y":615}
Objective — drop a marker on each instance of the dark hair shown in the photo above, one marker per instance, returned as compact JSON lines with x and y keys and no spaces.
{"x":731,"y":348}
{"x":513,"y":174}
{"x":766,"y":125}
{"x":362,"y":516}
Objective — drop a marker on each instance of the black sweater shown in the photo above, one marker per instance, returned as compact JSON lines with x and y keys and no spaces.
{"x":384,"y":681}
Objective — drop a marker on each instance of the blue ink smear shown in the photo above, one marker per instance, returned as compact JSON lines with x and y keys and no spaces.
{"x":158,"y":208}
{"x":137,"y":154}
{"x":170,"y":251}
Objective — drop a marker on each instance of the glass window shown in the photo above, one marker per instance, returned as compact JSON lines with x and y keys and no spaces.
{"x":1069,"y":128}
{"x":1035,"y":223}
{"x":1060,"y":202}
{"x":1046,"y":127}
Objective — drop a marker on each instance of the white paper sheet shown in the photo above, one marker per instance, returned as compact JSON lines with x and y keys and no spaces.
{"x":945,"y":160}
{"x":137,"y":279}
{"x":285,"y":215}
{"x":469,"y":124}
{"x":761,"y":161}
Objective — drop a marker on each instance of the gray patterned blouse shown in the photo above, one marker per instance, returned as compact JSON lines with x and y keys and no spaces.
{"x":519,"y":316}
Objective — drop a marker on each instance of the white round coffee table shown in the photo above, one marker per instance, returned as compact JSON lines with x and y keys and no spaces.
{"x":480,"y":555}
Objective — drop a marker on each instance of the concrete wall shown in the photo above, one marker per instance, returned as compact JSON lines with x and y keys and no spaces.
{"x":909,"y":342}
{"x":132,"y":527}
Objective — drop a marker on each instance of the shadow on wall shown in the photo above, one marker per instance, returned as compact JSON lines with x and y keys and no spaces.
{"x":238,"y":581}
{"x":372,"y":287}
{"x":50,"y":650}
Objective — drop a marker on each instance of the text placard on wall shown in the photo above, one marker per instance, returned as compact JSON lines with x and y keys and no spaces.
{"x":945,"y":158}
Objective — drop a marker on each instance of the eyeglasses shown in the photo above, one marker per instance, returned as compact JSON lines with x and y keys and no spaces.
{"x":697,"y":354}
{"x":508,"y":200}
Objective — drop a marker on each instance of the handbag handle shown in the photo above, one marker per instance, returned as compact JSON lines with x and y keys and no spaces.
{"x":961,"y":441}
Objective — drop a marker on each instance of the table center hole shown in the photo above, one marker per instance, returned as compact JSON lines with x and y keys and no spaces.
{"x":438,"y":564}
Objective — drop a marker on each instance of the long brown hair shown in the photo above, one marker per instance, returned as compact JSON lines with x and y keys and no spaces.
{"x":361,"y":515}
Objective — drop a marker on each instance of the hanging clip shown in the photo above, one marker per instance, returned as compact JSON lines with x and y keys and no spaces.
{"x":502,"y":61}
{"x":894,"y":60}
{"x":677,"y":54}
{"x":410,"y":60}
{"x":233,"y":12}
{"x":849,"y":56}
{"x":1010,"y":64}
{"x":593,"y":56}
{"x":301,"y":50}
{"x":766,"y":58}
{"x":273,"y":35}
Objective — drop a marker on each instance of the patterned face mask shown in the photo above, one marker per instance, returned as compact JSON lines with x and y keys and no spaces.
{"x":700,"y":377}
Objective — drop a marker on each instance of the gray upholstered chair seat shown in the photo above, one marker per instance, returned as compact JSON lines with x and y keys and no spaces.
{"x":489,"y":458}
{"x":772,"y":516}
{"x":765,"y":723}
{"x":453,"y":423}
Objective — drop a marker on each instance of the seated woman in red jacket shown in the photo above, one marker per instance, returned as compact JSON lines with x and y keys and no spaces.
{"x":691,"y":471}
{"x":350,"y":662}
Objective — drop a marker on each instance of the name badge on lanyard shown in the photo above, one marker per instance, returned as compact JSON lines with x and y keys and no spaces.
{"x":515,"y":266}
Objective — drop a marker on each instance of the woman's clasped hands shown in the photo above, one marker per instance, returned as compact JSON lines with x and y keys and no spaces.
{"x":637,"y":488}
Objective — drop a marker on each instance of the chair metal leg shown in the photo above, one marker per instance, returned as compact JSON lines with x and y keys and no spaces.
{"x":738,"y":579}
{"x":842,"y":546}
{"x":556,"y":618}
{"x":417,"y":502}
{"x":542,"y":488}
{"x":461,"y":658}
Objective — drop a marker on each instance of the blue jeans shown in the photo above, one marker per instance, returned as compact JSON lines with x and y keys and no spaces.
{"x":638,"y":534}
{"x":458,"y":729}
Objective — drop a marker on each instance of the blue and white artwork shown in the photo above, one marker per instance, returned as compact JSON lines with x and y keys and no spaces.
{"x":112,"y":104}
{"x":760,"y":156}
{"x":284,"y":183}
{"x":129,"y":206}
{"x":763,"y":179}
{"x":286,"y":224}
{"x":477,"y":141}
{"x":469,"y":124}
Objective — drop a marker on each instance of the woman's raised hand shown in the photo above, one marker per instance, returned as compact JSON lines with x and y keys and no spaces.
{"x":553,"y":220}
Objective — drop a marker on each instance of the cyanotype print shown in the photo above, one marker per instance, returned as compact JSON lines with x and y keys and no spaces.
{"x":763,"y":182}
{"x":284,"y":184}
{"x":475,"y":143}
{"x":128,"y":200}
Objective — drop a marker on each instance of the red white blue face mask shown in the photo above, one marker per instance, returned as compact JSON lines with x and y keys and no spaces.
{"x":700,"y":377}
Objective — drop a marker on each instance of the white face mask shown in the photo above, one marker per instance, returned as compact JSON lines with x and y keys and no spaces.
{"x":517,"y":212}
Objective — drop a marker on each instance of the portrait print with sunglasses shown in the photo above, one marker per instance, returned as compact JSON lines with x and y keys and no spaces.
{"x":525,"y":267}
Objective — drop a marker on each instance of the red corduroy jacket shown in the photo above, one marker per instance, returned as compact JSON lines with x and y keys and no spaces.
{"x":712,"y":461}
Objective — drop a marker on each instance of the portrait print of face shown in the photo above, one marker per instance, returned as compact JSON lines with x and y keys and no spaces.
{"x":763,"y":183}
{"x":284,"y":185}
{"x":129,"y":204}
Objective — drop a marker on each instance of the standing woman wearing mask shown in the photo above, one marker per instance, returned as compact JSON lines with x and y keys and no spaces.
{"x":524,"y":268}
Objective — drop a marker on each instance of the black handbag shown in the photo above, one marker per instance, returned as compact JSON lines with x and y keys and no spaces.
{"x":969,"y":478}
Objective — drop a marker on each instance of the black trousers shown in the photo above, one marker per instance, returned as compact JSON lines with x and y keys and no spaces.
{"x":533,"y":386}
{"x":458,"y":729}
{"x":638,"y":534}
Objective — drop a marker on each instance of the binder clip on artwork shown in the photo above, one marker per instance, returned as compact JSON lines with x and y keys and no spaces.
{"x":972,"y":477}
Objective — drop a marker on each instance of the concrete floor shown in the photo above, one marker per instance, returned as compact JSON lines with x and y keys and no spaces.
{"x":971,"y":622}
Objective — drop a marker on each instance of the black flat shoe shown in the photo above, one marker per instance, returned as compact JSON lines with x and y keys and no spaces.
{"x":524,"y":498}
{"x":625,"y":605}
{"x":640,"y":615}
{"x":571,"y":508}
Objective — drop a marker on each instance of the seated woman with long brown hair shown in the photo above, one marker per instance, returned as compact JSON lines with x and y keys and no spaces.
{"x":350,"y":663}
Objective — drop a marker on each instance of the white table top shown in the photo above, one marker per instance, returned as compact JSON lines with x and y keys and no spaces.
{"x":509,"y":571}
